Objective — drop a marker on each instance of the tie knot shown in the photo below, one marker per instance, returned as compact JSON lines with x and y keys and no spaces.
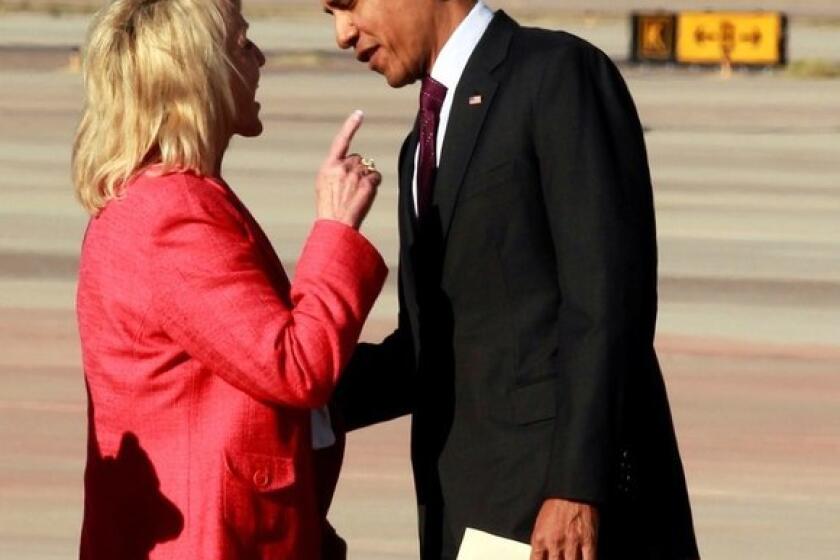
{"x":432,"y":94}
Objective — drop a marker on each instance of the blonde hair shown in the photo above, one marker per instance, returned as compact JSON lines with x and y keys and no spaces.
{"x":157,"y":82}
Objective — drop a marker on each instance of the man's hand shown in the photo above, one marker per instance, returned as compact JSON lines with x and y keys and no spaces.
{"x":565,"y":531}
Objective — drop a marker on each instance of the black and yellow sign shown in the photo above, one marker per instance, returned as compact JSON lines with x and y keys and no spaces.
{"x":730,"y":38}
{"x":756,"y":38}
{"x":653,"y":37}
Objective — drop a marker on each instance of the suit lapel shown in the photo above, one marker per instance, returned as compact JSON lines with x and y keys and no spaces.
{"x":407,"y":217}
{"x":471,"y":102}
{"x":407,"y":225}
{"x":465,"y":123}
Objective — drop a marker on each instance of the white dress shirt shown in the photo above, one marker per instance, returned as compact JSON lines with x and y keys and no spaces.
{"x":449,"y":66}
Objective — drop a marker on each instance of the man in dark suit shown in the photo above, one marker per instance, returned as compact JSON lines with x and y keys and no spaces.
{"x":527,"y":290}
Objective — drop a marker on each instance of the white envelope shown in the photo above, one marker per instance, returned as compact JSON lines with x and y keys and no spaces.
{"x":478,"y":545}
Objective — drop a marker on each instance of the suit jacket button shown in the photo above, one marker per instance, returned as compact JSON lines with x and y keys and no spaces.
{"x":261,"y":478}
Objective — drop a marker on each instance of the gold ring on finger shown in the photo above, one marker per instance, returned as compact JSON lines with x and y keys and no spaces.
{"x":369,"y":164}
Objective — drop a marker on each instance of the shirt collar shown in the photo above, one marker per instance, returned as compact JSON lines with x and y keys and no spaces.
{"x":455,"y":54}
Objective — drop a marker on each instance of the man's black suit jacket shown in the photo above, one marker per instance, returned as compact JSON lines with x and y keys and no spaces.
{"x":528,"y":296}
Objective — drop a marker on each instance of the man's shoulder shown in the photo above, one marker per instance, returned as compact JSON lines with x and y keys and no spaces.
{"x":553,"y":46}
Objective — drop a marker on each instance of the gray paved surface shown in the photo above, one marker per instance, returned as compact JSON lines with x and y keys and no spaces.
{"x":747,"y":179}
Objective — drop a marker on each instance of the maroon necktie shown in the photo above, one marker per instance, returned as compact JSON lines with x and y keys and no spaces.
{"x":432,"y":94}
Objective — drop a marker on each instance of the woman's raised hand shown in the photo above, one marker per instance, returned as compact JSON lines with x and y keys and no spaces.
{"x":346,"y":185}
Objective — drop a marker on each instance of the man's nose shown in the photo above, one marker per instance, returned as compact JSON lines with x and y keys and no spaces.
{"x":346,"y":33}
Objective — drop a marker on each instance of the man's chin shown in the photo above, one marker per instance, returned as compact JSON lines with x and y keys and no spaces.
{"x":400,"y":80}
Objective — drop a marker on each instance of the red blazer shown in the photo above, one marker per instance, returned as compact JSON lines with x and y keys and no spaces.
{"x":202,"y":363}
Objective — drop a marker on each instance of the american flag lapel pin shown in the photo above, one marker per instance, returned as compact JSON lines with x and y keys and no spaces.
{"x":475,"y":100}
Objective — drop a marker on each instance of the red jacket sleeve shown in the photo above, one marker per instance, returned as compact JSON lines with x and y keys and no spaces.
{"x":218,"y":298}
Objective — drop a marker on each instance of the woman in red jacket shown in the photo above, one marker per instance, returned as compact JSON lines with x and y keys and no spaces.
{"x":204,"y":365}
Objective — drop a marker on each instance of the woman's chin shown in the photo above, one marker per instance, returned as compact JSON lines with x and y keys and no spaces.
{"x":250,"y":129}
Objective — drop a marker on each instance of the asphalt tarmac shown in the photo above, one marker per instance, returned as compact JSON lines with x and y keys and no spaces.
{"x":747,"y":184}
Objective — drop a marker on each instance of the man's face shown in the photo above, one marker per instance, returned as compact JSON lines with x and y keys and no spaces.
{"x":394,"y":37}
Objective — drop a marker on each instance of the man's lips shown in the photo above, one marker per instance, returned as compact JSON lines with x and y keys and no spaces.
{"x":366,"y":54}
